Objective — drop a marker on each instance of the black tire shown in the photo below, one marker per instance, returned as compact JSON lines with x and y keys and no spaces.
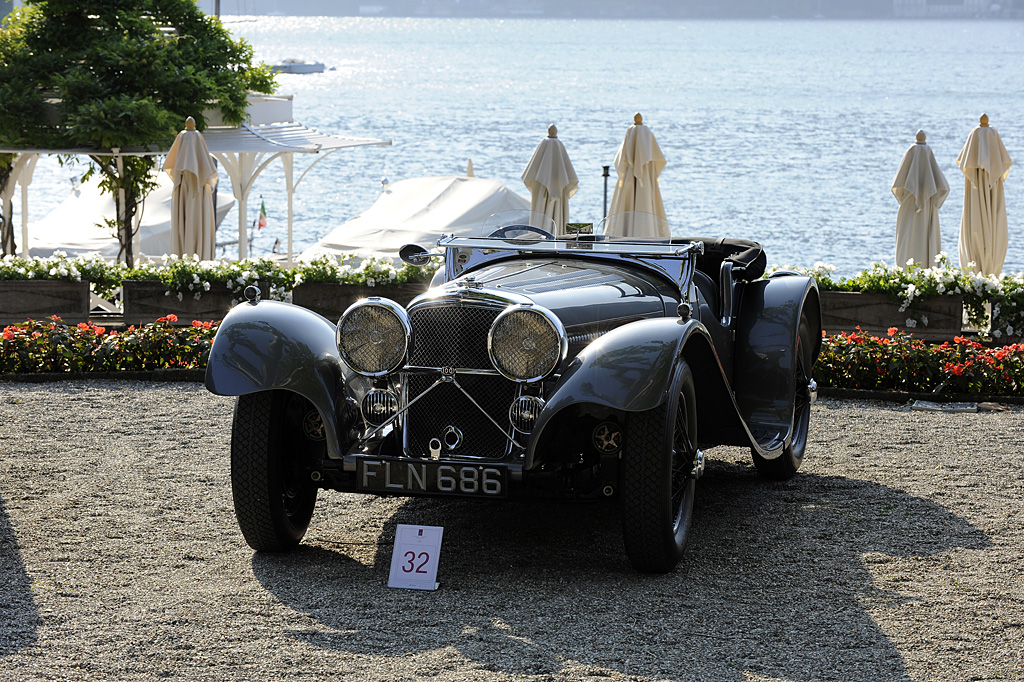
{"x":656,"y":485}
{"x":270,"y":479}
{"x":785,"y":466}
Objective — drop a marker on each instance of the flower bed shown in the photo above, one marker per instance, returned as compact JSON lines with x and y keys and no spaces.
{"x":177,"y":281}
{"x":994,"y":305}
{"x":900,"y":362}
{"x":895,"y":362}
{"x":53,"y":346}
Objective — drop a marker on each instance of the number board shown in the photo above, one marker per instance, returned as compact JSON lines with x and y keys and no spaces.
{"x":415,"y":558}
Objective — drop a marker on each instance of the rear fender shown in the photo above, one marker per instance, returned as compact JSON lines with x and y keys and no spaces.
{"x":267,"y":345}
{"x":766,"y":340}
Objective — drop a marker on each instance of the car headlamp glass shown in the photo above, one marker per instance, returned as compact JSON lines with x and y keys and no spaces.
{"x":373,"y":336}
{"x":526,"y":343}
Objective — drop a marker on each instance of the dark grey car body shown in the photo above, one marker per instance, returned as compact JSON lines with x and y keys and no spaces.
{"x":633,"y":315}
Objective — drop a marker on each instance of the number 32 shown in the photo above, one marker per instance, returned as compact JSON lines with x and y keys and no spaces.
{"x":410,"y":565}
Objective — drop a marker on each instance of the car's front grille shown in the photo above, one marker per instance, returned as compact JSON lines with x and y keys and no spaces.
{"x":451,"y":336}
{"x":455,"y":335}
{"x":447,"y":406}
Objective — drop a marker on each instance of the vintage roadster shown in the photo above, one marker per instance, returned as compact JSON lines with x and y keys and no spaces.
{"x":582,"y":366}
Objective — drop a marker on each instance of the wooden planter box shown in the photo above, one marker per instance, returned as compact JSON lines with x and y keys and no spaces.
{"x":146,"y":300}
{"x":331,"y":300}
{"x":24,"y":299}
{"x":844,"y":311}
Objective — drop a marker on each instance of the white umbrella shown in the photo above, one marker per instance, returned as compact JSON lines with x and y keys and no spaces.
{"x":983,"y":233}
{"x":920,"y":188}
{"x":638,"y":163}
{"x":192,"y":216}
{"x":551,"y":179}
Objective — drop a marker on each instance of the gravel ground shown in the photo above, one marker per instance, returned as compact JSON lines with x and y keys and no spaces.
{"x":896,"y":554}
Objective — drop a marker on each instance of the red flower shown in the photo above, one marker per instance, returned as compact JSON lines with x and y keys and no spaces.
{"x":8,"y":334}
{"x":197,"y":324}
{"x":172,"y":318}
{"x":83,"y":325}
{"x":892,"y":331}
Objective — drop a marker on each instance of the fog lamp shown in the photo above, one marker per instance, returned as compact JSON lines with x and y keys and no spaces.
{"x":378,"y":406}
{"x":524,"y":413}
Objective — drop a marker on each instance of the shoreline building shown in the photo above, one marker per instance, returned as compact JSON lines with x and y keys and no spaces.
{"x":944,"y":9}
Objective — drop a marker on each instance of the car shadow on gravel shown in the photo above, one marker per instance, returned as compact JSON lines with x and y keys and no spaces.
{"x":19,"y":614}
{"x":774,"y":582}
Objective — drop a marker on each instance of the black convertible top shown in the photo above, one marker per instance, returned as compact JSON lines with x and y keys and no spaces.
{"x":747,"y":257}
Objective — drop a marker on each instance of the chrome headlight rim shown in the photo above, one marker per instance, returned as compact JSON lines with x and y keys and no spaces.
{"x":556,"y":326}
{"x":400,"y":315}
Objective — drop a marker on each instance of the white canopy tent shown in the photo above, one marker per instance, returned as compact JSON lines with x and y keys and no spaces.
{"x":244,"y":151}
{"x":418,"y":211}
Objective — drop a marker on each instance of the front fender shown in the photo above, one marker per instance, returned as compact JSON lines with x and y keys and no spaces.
{"x":629,"y":369}
{"x":268,"y":345}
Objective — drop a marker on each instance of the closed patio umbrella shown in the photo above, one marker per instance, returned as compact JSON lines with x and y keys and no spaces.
{"x":983,"y":233}
{"x":194,"y":174}
{"x":551,"y":179}
{"x":638,"y":164}
{"x":920,"y":188}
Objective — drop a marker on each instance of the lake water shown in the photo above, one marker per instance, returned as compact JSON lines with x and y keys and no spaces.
{"x":785,"y":132}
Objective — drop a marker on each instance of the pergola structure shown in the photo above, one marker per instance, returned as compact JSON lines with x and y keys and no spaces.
{"x":243,"y":151}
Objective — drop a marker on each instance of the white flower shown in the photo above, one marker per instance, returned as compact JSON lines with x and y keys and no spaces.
{"x":924,"y":320}
{"x":996,"y":334}
{"x":206,"y":286}
{"x":181,"y":296}
{"x":941,"y":288}
{"x":371,"y":282}
{"x":1009,"y":329}
{"x":911,"y":323}
{"x":198,"y":295}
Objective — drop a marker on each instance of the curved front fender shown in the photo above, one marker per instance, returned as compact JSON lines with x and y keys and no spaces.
{"x":628,"y":369}
{"x":269,"y":345}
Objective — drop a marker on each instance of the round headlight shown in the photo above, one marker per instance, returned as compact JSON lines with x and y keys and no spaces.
{"x":373,"y":336}
{"x":526,"y":343}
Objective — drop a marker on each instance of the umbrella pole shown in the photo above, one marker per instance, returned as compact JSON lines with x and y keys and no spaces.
{"x":604,"y":173}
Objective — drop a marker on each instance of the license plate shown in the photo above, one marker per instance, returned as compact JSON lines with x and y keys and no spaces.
{"x":399,"y":476}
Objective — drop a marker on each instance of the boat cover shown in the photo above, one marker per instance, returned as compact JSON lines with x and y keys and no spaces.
{"x":418,"y":211}
{"x":76,"y":226}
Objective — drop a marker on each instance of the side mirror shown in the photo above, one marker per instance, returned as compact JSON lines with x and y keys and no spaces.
{"x":414,"y":254}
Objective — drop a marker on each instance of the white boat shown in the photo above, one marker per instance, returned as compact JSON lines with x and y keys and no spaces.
{"x":418,"y":211}
{"x":297,"y":66}
{"x":76,"y":226}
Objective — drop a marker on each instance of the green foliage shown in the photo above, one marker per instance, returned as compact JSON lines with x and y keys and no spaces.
{"x":52,"y":346}
{"x":899,"y":362}
{"x":984,"y":296}
{"x":118,"y":74}
{"x":349,"y":269}
{"x":191,"y":277}
{"x":103,"y":275}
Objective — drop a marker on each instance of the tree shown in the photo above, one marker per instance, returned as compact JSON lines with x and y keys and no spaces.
{"x":119,"y":75}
